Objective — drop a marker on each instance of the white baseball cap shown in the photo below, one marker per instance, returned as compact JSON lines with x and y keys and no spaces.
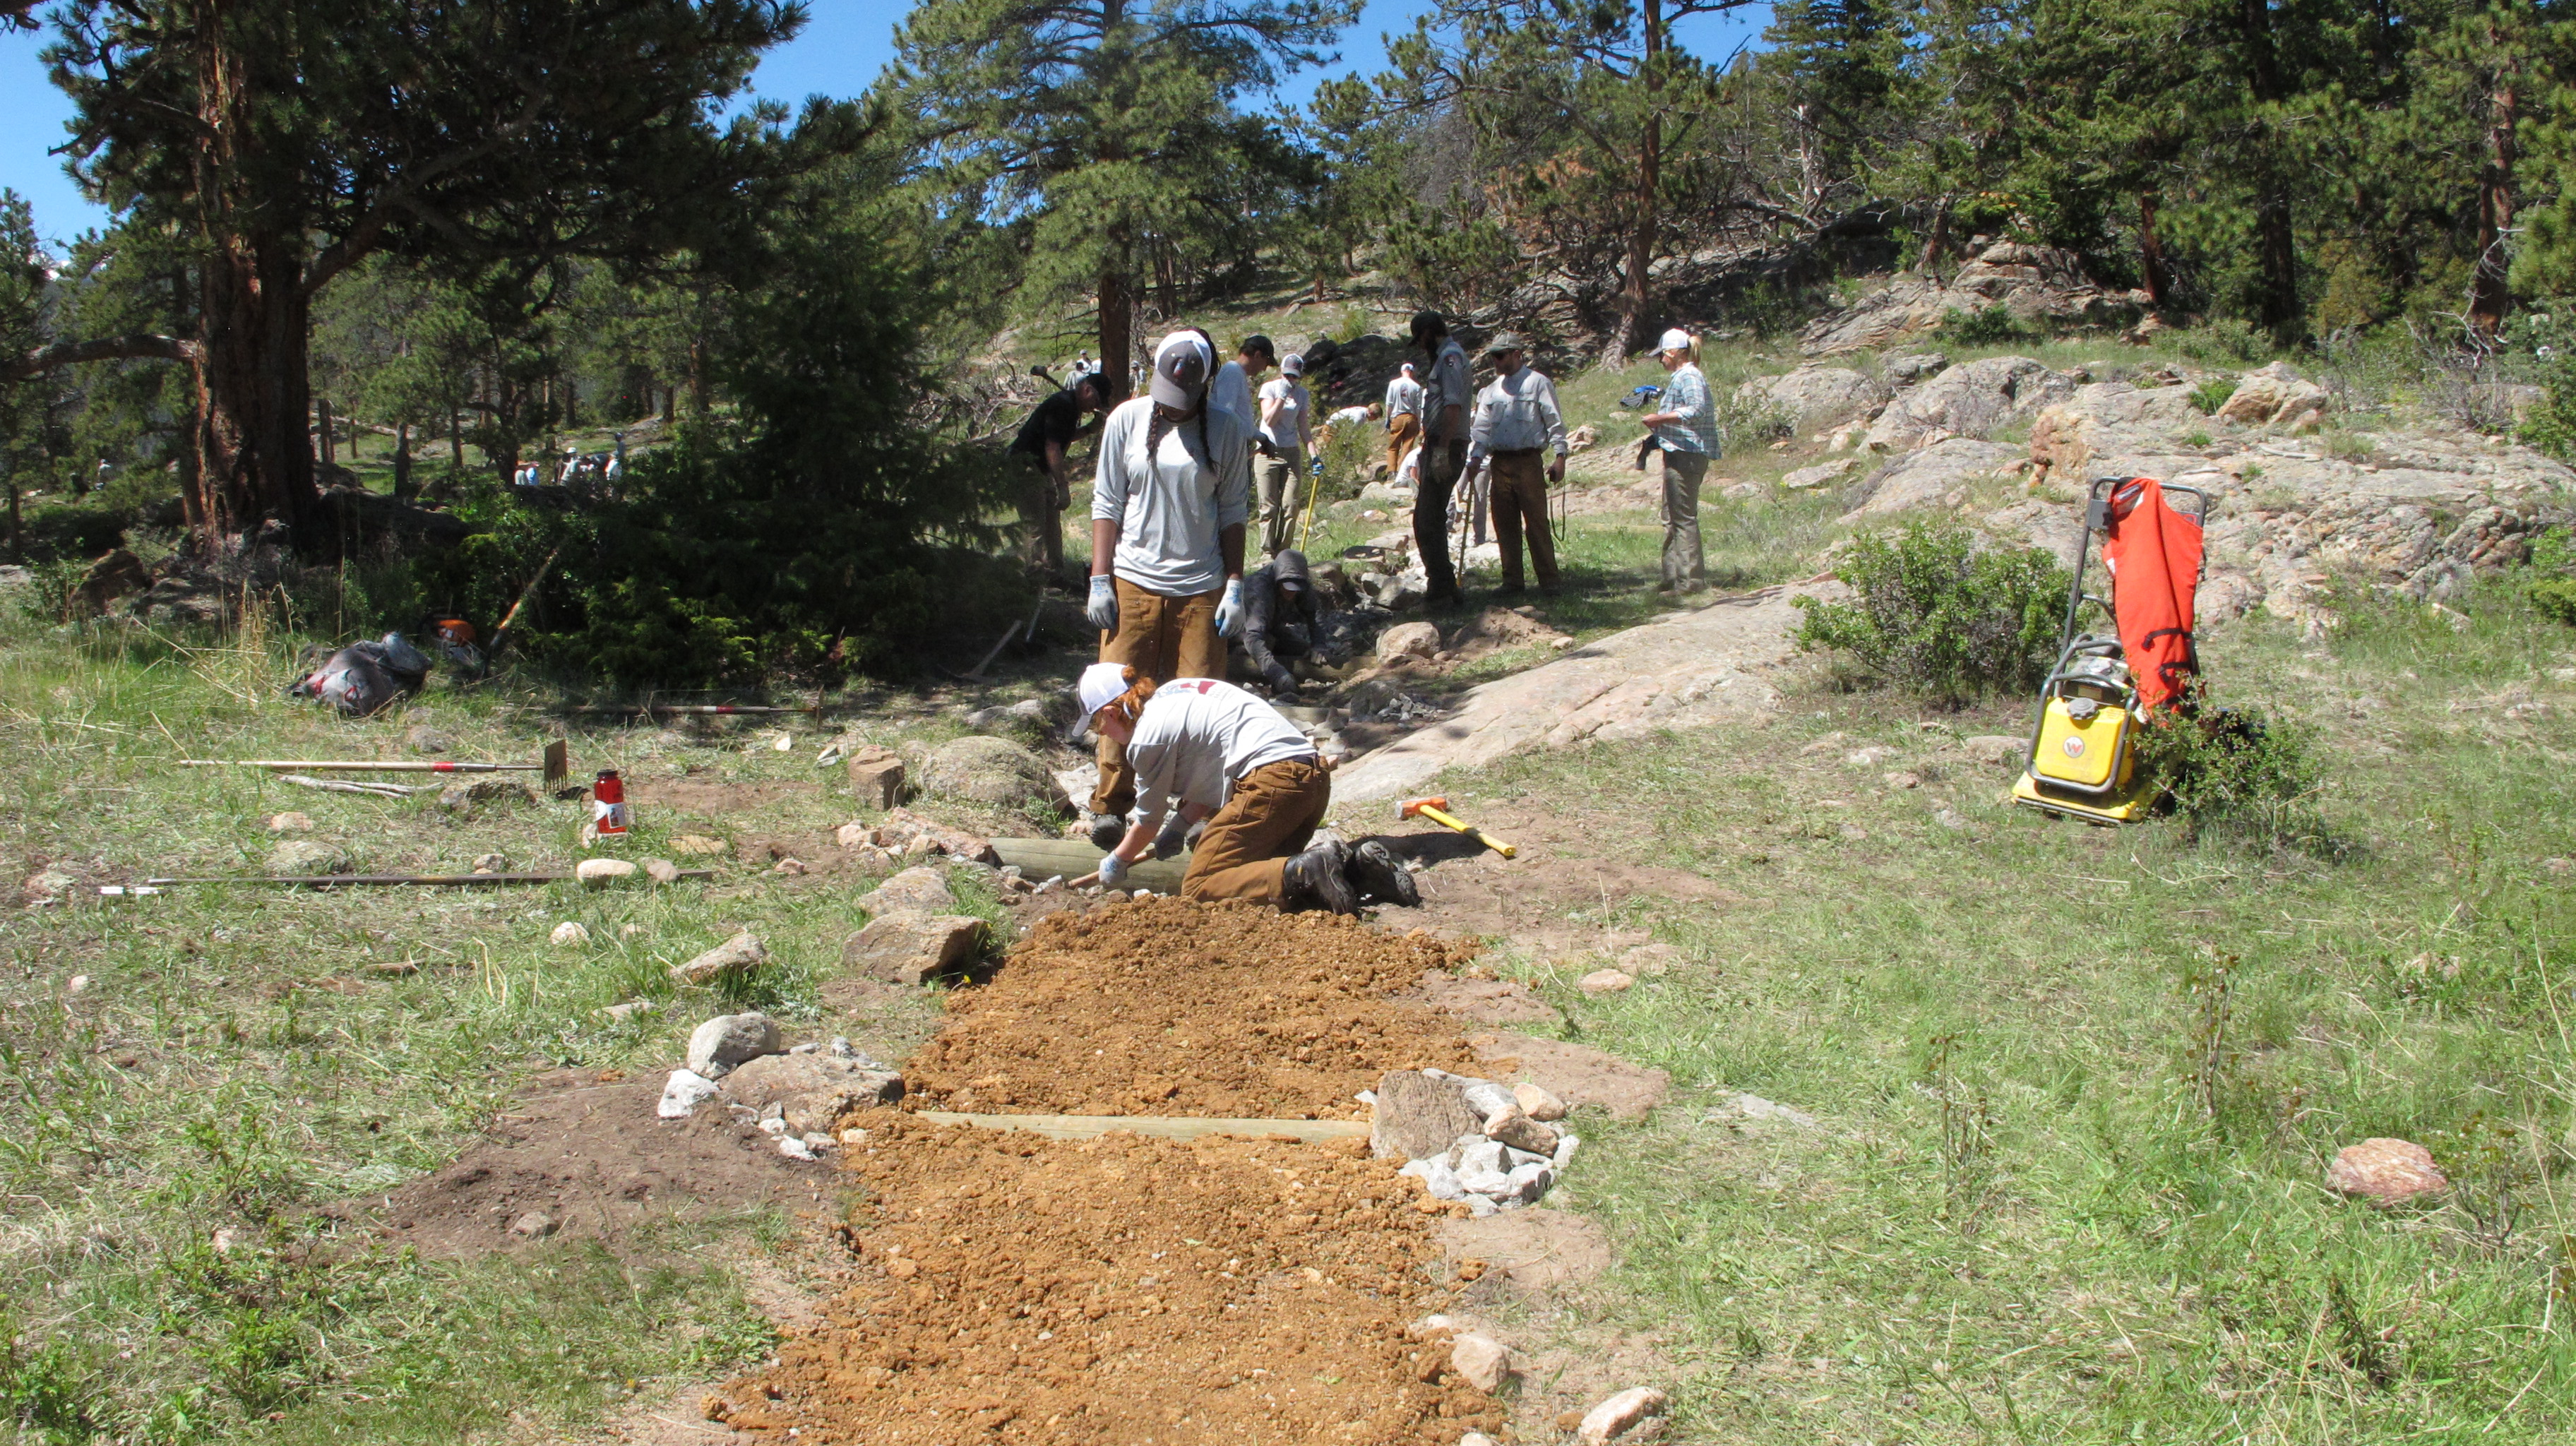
{"x":1102,"y":682}
{"x":1182,"y":362}
{"x":1294,"y":365}
{"x":1675,"y":340}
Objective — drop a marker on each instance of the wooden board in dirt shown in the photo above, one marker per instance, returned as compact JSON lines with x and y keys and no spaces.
{"x":1167,"y":1007}
{"x":1013,"y":1289}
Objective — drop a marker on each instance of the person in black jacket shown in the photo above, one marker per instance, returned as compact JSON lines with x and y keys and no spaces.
{"x":1279,"y":619}
{"x":1043,"y":440}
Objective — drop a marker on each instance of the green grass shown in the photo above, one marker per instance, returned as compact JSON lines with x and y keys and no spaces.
{"x":2059,"y":1190}
{"x":231,"y":1060}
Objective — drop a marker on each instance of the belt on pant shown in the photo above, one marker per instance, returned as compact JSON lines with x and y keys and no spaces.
{"x":1517,"y":451}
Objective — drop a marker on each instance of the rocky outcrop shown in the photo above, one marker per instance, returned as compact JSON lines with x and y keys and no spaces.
{"x":1813,"y":397}
{"x":1935,"y":476}
{"x":1970,"y":400}
{"x":2038,"y":284}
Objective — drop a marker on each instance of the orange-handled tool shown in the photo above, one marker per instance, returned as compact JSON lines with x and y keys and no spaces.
{"x":1437,"y":810}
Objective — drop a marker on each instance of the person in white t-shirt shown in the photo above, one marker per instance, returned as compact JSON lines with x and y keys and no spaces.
{"x":1232,"y":389}
{"x":1288,"y":430}
{"x":1206,"y":749}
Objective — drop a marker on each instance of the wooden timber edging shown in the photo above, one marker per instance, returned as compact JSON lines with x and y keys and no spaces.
{"x":1166,"y":1127}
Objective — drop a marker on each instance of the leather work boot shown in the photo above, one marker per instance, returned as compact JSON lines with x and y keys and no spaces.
{"x":1315,"y":880}
{"x":1381,"y":877}
{"x":1105,"y":830}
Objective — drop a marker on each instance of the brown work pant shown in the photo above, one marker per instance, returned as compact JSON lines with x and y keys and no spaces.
{"x":1520,"y":502}
{"x":1162,"y":638}
{"x":1278,"y":477}
{"x":1402,"y":431}
{"x":1685,"y":564}
{"x":1269,"y":818}
{"x":1042,"y":513}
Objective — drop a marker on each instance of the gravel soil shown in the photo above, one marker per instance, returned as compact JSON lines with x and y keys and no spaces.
{"x":1164,"y":1007}
{"x":1007,"y":1288}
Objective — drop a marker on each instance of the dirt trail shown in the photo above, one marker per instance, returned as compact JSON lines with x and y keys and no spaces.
{"x":1162,"y":1007}
{"x":1124,"y":1289}
{"x":1120,"y":1290}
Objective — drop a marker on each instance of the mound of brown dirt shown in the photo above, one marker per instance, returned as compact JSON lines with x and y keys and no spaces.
{"x":1119,"y":1290}
{"x":596,"y":1163}
{"x":1166,"y":1007}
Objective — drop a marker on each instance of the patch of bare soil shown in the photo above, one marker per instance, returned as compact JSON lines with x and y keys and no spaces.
{"x":1470,"y":890}
{"x":1485,"y":1001}
{"x":1575,"y":1073}
{"x":1166,"y":1007}
{"x":731,"y":803}
{"x":596,"y":1163}
{"x":1119,"y":1290}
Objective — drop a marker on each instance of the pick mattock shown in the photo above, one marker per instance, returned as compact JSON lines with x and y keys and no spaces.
{"x":1437,"y":810}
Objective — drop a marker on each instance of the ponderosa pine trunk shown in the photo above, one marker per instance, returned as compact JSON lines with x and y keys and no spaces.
{"x":2151,"y":255}
{"x":1645,"y":224}
{"x":254,"y":458}
{"x":2276,"y":244}
{"x":2489,"y":295}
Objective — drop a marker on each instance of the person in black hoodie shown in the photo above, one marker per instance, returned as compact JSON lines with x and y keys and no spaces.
{"x":1279,"y":619}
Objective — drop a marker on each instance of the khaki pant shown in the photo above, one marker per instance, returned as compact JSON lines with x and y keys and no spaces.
{"x":1520,"y":502}
{"x":1278,"y":477}
{"x":1402,"y":431}
{"x":1162,"y":638}
{"x":1685,"y":563}
{"x":1042,"y":514}
{"x":1269,"y":818}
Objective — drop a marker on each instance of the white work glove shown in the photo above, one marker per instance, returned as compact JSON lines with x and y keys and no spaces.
{"x":1229,"y":613}
{"x":1113,"y":871}
{"x":1103,"y":608}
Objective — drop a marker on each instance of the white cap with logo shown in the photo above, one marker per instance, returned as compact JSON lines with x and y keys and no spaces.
{"x":1182,"y":362}
{"x":1101,"y":684}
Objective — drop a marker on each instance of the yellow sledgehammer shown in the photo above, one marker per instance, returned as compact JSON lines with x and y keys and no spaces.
{"x":1437,"y":810}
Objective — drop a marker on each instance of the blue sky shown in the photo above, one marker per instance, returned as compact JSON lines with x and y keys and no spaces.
{"x":845,"y":44}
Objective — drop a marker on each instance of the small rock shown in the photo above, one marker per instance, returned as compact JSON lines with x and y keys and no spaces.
{"x":600,"y":873}
{"x":719,"y":1045}
{"x":1864,"y":757}
{"x":535,"y":1225}
{"x":631,"y":1009}
{"x":854,"y":836}
{"x":425,"y":739}
{"x":568,"y":934}
{"x":1537,"y":1103}
{"x":77,"y":984}
{"x":742,"y":951}
{"x":630,"y":931}
{"x":1618,"y":1415}
{"x":1754,"y":1107}
{"x":683,"y":1093}
{"x":854,"y":1136}
{"x":1420,"y":640}
{"x":46,"y":886}
{"x":905,"y":947}
{"x":2558,"y":865}
{"x":1604,"y":981}
{"x":922,"y":890}
{"x":1481,"y":1361}
{"x":491,"y":863}
{"x":394,"y":966}
{"x":1901,"y":781}
{"x":2385,"y":1171}
{"x":795,"y":1148}
{"x":817,"y":1140}
{"x":1996,"y":747}
{"x":808,"y":1047}
{"x":662,"y":871}
{"x":876,"y":775}
{"x":789,"y":868}
{"x":291,"y":822}
{"x":698,"y":845}
{"x":1418,"y":1115}
{"x":1521,"y":1132}
{"x":1477,"y":1438}
{"x":810,"y":1092}
{"x":304,"y":856}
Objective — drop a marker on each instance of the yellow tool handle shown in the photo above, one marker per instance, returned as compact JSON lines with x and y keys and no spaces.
{"x":1479,"y":835}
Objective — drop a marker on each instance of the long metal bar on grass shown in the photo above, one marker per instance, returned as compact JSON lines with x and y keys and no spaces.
{"x":372,"y":790}
{"x":716,"y":708}
{"x":333,"y":881}
{"x":406,"y":765}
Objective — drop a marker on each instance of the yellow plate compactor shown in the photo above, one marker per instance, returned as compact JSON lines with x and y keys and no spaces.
{"x":2083,"y":748}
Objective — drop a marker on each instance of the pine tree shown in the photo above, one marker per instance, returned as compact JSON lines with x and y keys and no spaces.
{"x":1102,"y":124}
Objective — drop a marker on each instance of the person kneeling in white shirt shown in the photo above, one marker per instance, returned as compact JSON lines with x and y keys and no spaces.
{"x":1205,"y":749}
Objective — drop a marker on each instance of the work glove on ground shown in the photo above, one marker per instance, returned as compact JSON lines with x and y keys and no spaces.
{"x":1113,"y":871}
{"x":1280,"y":679}
{"x":1229,"y":611}
{"x":1103,"y":608}
{"x":1173,"y":838}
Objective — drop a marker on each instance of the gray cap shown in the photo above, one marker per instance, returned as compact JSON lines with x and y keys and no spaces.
{"x":1506,"y":341}
{"x":1181,"y":367}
